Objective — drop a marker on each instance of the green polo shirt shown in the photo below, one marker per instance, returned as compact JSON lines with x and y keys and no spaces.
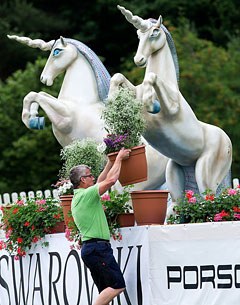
{"x":88,"y":213}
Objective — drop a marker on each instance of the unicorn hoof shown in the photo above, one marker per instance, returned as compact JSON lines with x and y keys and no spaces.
{"x":155,"y":108}
{"x":36,"y":123}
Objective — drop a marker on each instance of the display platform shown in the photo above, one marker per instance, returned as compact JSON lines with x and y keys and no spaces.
{"x":163,"y":265}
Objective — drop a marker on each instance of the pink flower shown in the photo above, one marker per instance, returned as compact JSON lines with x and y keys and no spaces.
{"x":192,"y":200}
{"x":189,"y":194}
{"x":20,"y":202}
{"x":41,"y":201}
{"x":218,"y":217}
{"x":8,"y":233}
{"x":232,"y":192}
{"x":236,"y":216}
{"x":105,"y":197}
{"x":67,"y":232}
{"x":2,"y":245}
{"x":16,"y":257}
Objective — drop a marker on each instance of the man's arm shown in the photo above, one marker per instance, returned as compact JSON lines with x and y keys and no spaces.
{"x":104,"y":173}
{"x":114,"y":172}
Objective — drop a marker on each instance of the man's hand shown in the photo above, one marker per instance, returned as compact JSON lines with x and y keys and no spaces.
{"x":123,"y":154}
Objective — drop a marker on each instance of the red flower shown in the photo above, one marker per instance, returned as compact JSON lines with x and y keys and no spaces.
{"x":27,"y":223}
{"x":33,"y":227}
{"x":21,"y":252}
{"x":35,"y":239}
{"x":236,"y":209}
{"x":209,"y":197}
{"x":224,"y":214}
{"x":56,"y":216}
{"x":15,"y":211}
{"x":19,"y":240}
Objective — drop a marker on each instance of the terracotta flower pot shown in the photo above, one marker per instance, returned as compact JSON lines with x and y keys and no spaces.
{"x":149,"y":206}
{"x":126,"y":220}
{"x":133,"y":169}
{"x":58,"y":228}
{"x":66,"y":201}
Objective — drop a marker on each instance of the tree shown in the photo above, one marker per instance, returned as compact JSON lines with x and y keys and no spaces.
{"x":29,"y":158}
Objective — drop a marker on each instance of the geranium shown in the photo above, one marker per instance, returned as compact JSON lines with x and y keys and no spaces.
{"x":116,"y":203}
{"x":194,"y":208}
{"x":26,"y":224}
{"x":73,"y":235}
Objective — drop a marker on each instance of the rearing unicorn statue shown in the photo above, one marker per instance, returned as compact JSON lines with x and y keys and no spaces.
{"x":172,"y":127}
{"x":76,"y":112}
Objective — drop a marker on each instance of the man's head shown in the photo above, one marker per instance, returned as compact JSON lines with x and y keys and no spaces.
{"x":80,"y":176}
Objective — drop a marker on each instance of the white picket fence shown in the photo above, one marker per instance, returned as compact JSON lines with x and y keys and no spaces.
{"x":7,"y":198}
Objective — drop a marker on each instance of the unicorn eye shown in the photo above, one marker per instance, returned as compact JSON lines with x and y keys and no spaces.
{"x":155,"y":33}
{"x":56,"y":52}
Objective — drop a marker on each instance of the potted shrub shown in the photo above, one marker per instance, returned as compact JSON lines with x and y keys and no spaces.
{"x":194,"y":208}
{"x":125,"y":124}
{"x":118,"y":210}
{"x":78,"y":152}
{"x":27,"y":222}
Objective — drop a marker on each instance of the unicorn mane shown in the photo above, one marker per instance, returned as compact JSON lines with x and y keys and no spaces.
{"x":101,"y":74}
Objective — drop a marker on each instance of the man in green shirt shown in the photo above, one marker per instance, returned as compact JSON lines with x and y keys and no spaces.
{"x":90,"y":218}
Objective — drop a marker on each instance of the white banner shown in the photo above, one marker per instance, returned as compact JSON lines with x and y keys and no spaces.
{"x":193,"y":264}
{"x":56,"y":275}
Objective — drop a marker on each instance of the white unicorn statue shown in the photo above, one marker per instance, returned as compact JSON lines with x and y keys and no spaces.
{"x":172,"y":127}
{"x":76,"y":112}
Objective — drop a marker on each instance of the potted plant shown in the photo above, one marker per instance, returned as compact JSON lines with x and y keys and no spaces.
{"x":65,"y":192}
{"x":194,"y":208}
{"x":118,"y":210}
{"x":78,"y":152}
{"x":125,"y":124}
{"x":27,"y":222}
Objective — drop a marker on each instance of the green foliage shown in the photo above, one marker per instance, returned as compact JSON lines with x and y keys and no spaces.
{"x":123,"y":115}
{"x":194,"y":208}
{"x":82,"y":152}
{"x":29,"y":159}
{"x":26,"y":223}
{"x":116,"y":203}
